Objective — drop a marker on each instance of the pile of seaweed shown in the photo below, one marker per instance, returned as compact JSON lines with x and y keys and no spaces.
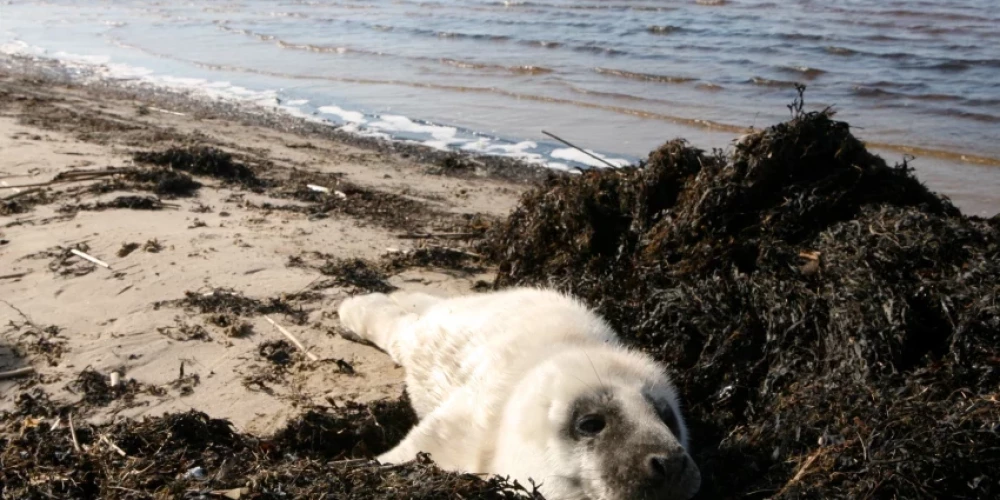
{"x":233,"y":304}
{"x":833,"y":326}
{"x":203,"y":161}
{"x":46,"y":454}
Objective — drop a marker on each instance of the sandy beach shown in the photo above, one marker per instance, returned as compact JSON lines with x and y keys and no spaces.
{"x":386,"y":218}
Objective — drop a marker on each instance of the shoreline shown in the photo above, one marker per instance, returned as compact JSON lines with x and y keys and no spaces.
{"x":279,"y":117}
{"x":52,"y":71}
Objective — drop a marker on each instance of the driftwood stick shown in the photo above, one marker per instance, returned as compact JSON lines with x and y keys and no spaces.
{"x":14,"y":276}
{"x":467,"y":253}
{"x":578,"y":148}
{"x":26,"y":192}
{"x":91,"y":259}
{"x":113,"y":446}
{"x":68,"y":177}
{"x":167,"y":111}
{"x":20,"y":372}
{"x":294,"y":340}
{"x":72,"y":433}
{"x":443,"y":236}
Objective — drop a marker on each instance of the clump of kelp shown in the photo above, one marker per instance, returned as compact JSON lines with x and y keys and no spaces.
{"x":832,"y":325}
{"x":322,"y":453}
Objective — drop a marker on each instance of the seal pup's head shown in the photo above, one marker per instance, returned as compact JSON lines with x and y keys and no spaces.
{"x":599,"y":424}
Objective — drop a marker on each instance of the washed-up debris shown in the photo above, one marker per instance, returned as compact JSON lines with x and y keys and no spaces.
{"x":435,"y":257}
{"x":357,"y":273}
{"x":69,"y":261}
{"x":833,"y":326}
{"x":324,"y":452}
{"x":203,"y":161}
{"x":229,"y":301}
{"x":27,"y":337}
{"x":18,"y":372}
{"x":14,"y":276}
{"x":162,"y":181}
{"x":289,"y":336}
{"x":232,"y":324}
{"x":126,"y":249}
{"x":23,"y":201}
{"x":183,"y":332}
{"x":152,"y":246}
{"x":342,"y":197}
{"x":89,"y":258}
{"x":95,"y":389}
{"x":130,"y":202}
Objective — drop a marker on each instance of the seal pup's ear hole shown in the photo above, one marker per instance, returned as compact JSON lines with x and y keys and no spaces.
{"x":590,"y":425}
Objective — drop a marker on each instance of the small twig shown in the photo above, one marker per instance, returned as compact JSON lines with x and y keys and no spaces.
{"x":14,"y":276}
{"x":802,"y":470}
{"x":167,"y":111}
{"x":350,"y":462}
{"x":294,"y":340}
{"x":72,"y":433}
{"x":20,"y":312}
{"x":578,"y":148}
{"x":460,"y":251}
{"x":66,"y":177}
{"x":20,"y":372}
{"x":88,"y":257}
{"x":113,"y":446}
{"x":20,"y":193}
{"x":443,"y":236}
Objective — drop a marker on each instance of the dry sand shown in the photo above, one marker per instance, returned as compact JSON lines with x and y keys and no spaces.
{"x":108,"y":319}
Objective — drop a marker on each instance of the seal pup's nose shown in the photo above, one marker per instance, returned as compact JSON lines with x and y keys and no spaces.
{"x":662,"y":468}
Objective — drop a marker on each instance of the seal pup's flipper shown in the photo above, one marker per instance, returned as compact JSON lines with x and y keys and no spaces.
{"x":376,"y":318}
{"x":448,"y":434}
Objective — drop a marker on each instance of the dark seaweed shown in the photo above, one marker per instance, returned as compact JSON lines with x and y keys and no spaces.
{"x":832,"y":325}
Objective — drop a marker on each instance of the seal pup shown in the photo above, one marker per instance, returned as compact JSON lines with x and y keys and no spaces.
{"x":532,"y":385}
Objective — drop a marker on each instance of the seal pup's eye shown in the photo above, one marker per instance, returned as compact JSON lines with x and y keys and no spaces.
{"x":590,"y":425}
{"x":670,"y":418}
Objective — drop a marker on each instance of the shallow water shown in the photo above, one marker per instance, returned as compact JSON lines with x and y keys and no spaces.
{"x":618,"y":76}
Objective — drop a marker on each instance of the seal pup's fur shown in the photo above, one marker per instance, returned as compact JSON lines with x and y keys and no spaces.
{"x":531,"y":384}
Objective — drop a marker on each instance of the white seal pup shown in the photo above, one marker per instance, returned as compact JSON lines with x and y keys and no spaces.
{"x":532,"y":385}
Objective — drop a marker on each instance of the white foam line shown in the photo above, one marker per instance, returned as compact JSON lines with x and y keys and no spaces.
{"x":440,"y":137}
{"x":398,"y":123}
{"x":345,"y":115}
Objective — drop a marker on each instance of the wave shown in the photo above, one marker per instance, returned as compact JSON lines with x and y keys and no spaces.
{"x":599,"y":49}
{"x":643,"y":77}
{"x":514,"y":4}
{"x":524,"y":69}
{"x":766,"y":82}
{"x":641,"y":113}
{"x":877,"y":90}
{"x":806,"y":71}
{"x":935,"y":15}
{"x":331,"y":49}
{"x":839,"y":51}
{"x":471,"y":36}
{"x":663,"y":30}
